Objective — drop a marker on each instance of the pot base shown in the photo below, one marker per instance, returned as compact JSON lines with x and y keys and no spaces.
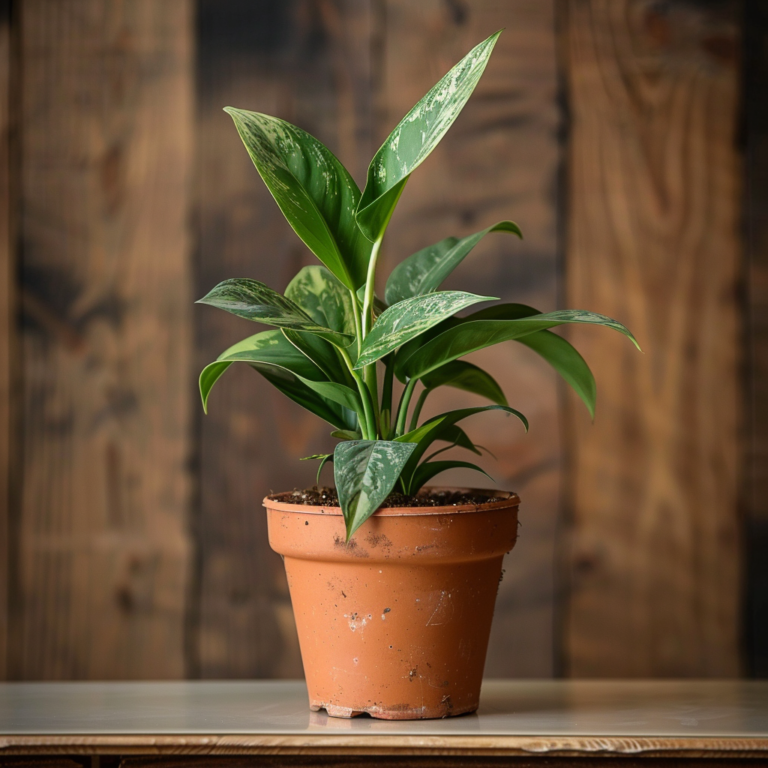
{"x":405,"y":712}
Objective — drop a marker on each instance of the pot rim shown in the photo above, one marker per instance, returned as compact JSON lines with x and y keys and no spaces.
{"x":504,"y":499}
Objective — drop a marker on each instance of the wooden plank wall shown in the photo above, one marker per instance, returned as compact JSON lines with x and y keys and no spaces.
{"x":138,"y":544}
{"x":316,"y":63}
{"x":7,"y":335}
{"x":756,"y":280}
{"x":653,"y":239}
{"x":499,"y":161}
{"x":307,"y":62}
{"x":106,"y":117}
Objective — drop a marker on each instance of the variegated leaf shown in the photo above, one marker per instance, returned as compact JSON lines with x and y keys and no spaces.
{"x":365,"y":472}
{"x":323,"y":298}
{"x":556,"y":350}
{"x":472,"y":335}
{"x":313,"y":189}
{"x":409,"y":318}
{"x":425,"y":270}
{"x":255,"y":301}
{"x":417,"y":134}
{"x":293,"y":388}
{"x":266,"y":347}
{"x":270,"y":349}
{"x":322,"y":353}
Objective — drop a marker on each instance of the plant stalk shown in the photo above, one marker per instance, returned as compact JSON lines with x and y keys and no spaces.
{"x":368,"y":429}
{"x":356,"y":315}
{"x":386,"y":396}
{"x":417,"y":408}
{"x":370,"y":280}
{"x":402,"y":411}
{"x":369,"y":372}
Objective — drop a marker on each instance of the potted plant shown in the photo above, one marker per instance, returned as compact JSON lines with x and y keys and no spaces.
{"x":393,"y":585}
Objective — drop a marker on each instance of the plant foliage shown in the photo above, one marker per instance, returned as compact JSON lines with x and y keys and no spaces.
{"x":333,"y":340}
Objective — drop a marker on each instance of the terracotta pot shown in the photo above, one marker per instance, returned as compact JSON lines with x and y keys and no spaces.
{"x":395,"y":623}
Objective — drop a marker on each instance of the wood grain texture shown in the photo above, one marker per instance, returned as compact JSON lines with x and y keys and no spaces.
{"x":7,"y":329}
{"x":463,"y":761}
{"x":653,"y":240}
{"x":499,"y":161}
{"x":107,"y":139}
{"x":412,"y":747}
{"x":756,"y":389}
{"x":306,"y":61}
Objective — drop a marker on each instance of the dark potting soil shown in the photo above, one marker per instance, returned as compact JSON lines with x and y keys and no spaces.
{"x":327,"y":497}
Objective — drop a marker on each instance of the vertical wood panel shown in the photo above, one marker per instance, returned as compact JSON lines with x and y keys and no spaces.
{"x":499,"y":161}
{"x":653,"y":240}
{"x":306,"y":61}
{"x":756,"y":232}
{"x":7,"y":271}
{"x":107,"y":124}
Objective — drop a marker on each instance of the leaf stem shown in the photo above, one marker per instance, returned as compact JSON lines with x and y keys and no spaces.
{"x":368,"y":428}
{"x":417,"y":408}
{"x":402,"y":410}
{"x":369,"y":372}
{"x":356,"y":315}
{"x":370,"y":281}
{"x":386,"y":396}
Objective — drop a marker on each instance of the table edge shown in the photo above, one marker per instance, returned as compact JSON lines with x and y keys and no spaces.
{"x":258,"y":744}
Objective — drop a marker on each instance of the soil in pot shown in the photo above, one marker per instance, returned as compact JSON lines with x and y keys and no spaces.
{"x":395,"y":622}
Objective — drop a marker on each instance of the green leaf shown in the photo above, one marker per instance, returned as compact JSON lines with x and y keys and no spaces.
{"x":300,"y":393}
{"x":345,"y":434}
{"x":323,"y":458}
{"x":472,"y":335}
{"x":329,"y":304}
{"x":328,"y":457}
{"x":366,"y":472}
{"x":330,"y":390}
{"x":208,"y":377}
{"x":458,"y":438}
{"x":255,"y":301}
{"x":265,"y":347}
{"x":567,"y":361}
{"x":426,"y":471}
{"x":410,"y":318}
{"x":425,"y":270}
{"x":322,"y":353}
{"x":271,"y":350}
{"x":313,"y":190}
{"x":556,"y":350}
{"x":433,"y":430}
{"x":467,"y":377}
{"x":417,"y":134}
{"x":323,"y":298}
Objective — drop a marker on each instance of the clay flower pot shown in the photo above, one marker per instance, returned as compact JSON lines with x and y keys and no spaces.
{"x":395,"y":623}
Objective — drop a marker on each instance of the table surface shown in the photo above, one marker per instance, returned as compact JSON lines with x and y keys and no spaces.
{"x":515,"y":717}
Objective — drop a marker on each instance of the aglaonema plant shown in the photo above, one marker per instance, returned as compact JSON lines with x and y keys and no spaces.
{"x":336,"y":347}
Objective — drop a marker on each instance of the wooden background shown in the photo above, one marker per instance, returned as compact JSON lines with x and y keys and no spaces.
{"x":628,"y":138}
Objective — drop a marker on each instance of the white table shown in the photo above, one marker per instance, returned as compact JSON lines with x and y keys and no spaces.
{"x":566,"y":722}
